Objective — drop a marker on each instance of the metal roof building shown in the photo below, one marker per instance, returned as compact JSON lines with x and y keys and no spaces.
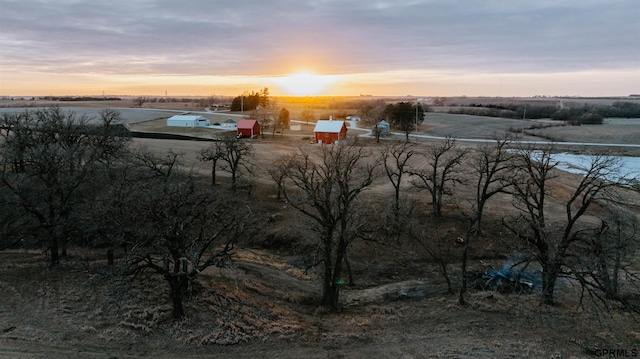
{"x":188,"y":121}
{"x":330,"y":131}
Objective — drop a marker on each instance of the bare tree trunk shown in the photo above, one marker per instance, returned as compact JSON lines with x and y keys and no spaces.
{"x":54,"y":255}
{"x":550,"y":272}
{"x":333,"y":298}
{"x":333,"y":274}
{"x":233,"y":181}
{"x":613,"y":279}
{"x":437,"y":203}
{"x":477,"y":227}
{"x":445,"y":274}
{"x":213,"y":174}
{"x":349,"y":272}
{"x":465,"y":255}
{"x":177,"y":285}
{"x":397,"y":229}
{"x":327,"y":290}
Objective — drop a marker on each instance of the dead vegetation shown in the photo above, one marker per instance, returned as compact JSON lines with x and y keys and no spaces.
{"x":264,"y":312}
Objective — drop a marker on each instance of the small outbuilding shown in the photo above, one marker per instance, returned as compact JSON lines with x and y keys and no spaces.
{"x":188,"y":121}
{"x":229,"y":123}
{"x":248,"y":128}
{"x":383,"y":127}
{"x":330,"y":131}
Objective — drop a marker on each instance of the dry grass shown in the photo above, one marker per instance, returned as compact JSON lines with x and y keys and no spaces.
{"x":612,"y":132}
{"x":266,"y":307}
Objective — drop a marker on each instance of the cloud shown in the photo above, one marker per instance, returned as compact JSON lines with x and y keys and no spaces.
{"x":256,"y":37}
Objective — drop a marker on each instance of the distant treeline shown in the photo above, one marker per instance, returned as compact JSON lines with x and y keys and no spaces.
{"x":250,"y":102}
{"x":586,"y":114}
{"x":201,"y":100}
{"x":80,"y":98}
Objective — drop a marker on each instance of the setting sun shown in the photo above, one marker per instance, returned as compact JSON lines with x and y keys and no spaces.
{"x":304,"y":83}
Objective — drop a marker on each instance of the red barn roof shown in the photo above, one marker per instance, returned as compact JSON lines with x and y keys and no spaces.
{"x":248,"y":128}
{"x":247,"y":124}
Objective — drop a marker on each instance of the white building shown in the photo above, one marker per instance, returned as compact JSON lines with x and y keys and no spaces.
{"x":188,"y":121}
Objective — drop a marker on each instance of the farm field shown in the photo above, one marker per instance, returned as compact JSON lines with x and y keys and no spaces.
{"x":128,"y":115}
{"x":467,"y":126}
{"x":614,"y":130}
{"x":268,"y":307}
{"x":623,"y":131}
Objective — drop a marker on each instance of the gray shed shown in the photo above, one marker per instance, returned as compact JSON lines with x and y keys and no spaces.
{"x":384,"y":128}
{"x":229,"y":123}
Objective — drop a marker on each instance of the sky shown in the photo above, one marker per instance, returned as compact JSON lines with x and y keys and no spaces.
{"x":320,"y":47}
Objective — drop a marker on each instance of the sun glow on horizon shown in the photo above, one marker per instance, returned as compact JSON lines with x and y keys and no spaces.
{"x":304,"y":83}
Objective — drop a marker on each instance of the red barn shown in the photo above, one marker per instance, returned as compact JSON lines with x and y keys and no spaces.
{"x":248,"y":128}
{"x":330,"y":131}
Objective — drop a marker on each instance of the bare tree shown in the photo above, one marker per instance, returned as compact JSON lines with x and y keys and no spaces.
{"x":441,"y":250}
{"x":213,"y":153}
{"x":180,"y":228}
{"x":14,"y":222}
{"x":604,"y":256}
{"x":442,"y":160}
{"x":372,"y":111}
{"x":395,"y":160}
{"x":50,"y":166}
{"x":141,"y":100}
{"x":328,"y":191}
{"x":265,"y":118}
{"x":111,"y":219}
{"x":555,"y":243}
{"x":278,"y":172}
{"x":17,"y":134}
{"x":233,"y":152}
{"x":307,"y":115}
{"x":283,"y":120}
{"x":492,"y":173}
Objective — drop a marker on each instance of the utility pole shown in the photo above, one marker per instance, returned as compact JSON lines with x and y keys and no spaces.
{"x":416,"y":116}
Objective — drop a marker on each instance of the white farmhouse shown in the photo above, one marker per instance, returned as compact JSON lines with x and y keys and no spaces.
{"x":188,"y":121}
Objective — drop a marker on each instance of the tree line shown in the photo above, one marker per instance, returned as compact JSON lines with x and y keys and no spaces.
{"x":587,"y":114}
{"x":331,"y":192}
{"x":251,"y":101}
{"x":71,"y":180}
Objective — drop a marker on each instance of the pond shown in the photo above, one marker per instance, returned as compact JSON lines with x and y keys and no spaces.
{"x":573,"y":163}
